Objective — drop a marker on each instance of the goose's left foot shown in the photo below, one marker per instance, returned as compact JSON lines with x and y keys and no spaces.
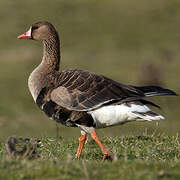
{"x":106,"y":152}
{"x":108,"y":155}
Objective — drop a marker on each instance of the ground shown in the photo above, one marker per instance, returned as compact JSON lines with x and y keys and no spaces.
{"x":135,"y":157}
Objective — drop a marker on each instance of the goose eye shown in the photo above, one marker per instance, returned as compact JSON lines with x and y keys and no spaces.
{"x":34,"y":28}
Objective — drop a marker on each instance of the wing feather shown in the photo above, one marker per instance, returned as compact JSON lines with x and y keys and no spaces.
{"x":82,"y":90}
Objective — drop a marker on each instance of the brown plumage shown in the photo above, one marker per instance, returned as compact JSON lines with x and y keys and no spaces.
{"x":77,"y":98}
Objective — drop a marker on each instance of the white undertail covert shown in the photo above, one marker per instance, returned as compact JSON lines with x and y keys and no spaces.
{"x":119,"y":114}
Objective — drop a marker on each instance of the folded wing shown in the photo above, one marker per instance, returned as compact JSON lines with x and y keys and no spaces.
{"x":82,"y":90}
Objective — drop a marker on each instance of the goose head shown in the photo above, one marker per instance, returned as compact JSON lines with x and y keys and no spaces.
{"x":41,"y":30}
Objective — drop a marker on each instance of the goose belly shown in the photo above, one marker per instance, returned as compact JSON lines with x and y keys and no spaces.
{"x":119,"y":114}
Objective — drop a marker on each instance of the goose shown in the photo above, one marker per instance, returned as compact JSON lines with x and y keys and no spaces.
{"x":83,"y":99}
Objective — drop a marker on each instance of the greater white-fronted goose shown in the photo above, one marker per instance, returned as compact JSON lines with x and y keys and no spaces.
{"x":78,"y":98}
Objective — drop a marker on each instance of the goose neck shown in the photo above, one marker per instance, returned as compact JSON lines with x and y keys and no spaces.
{"x":51,"y":52}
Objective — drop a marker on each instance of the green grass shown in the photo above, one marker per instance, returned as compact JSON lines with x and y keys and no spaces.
{"x":113,"y":38}
{"x":142,"y":157}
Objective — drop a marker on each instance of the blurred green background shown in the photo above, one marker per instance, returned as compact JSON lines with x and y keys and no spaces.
{"x":133,"y":42}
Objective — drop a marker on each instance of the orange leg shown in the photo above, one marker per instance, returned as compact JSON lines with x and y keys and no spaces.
{"x":82,"y":140}
{"x":104,"y":150}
